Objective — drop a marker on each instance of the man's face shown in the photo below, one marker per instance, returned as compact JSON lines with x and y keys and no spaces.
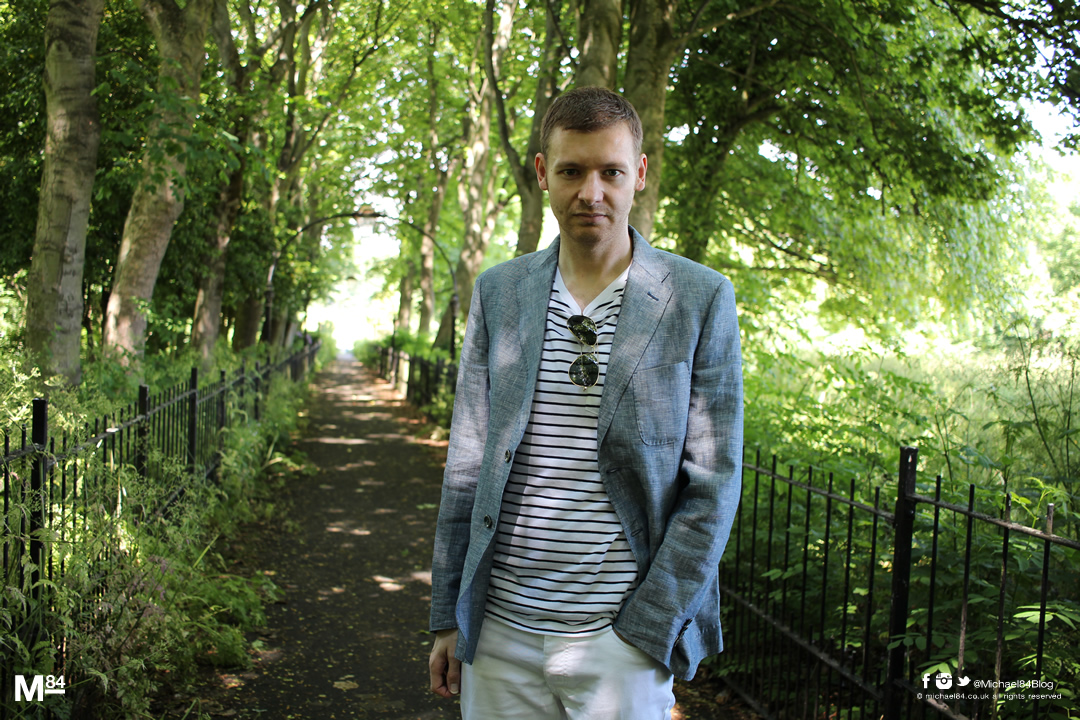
{"x":591,"y":178}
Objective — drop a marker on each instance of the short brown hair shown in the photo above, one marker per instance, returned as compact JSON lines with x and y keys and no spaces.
{"x":587,"y":109}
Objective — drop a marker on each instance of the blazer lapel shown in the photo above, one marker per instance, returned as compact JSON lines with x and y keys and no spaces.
{"x":644,"y":301}
{"x":533,"y":294}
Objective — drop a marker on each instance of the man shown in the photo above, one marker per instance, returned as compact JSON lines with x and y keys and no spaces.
{"x":594,"y":462}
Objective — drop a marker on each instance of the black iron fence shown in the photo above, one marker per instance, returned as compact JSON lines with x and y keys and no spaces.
{"x":838,"y":607}
{"x":65,"y":493}
{"x":424,"y":378}
{"x":844,"y":603}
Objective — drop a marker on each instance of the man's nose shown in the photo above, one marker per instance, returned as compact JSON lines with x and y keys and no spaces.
{"x":592,"y":189}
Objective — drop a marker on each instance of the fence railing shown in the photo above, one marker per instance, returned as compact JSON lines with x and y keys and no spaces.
{"x":423,"y":378}
{"x":59,"y":490}
{"x":837,"y":606}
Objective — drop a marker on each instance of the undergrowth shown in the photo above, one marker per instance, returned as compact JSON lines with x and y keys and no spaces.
{"x":134,"y":595}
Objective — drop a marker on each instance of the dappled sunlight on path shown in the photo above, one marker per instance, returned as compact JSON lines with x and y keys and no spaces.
{"x":349,"y":638}
{"x":353,"y":559}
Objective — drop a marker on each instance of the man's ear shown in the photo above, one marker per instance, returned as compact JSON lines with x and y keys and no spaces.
{"x":642,"y":167}
{"x":541,"y":171}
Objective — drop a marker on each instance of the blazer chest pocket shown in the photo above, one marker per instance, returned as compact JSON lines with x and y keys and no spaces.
{"x":662,"y":402}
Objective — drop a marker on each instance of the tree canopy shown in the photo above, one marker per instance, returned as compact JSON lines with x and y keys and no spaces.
{"x":873,"y":149}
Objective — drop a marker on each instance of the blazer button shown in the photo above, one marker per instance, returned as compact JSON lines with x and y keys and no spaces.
{"x":507,"y":456}
{"x":488,"y":522}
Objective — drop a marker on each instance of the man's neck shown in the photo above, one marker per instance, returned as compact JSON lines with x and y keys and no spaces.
{"x":588,"y":270}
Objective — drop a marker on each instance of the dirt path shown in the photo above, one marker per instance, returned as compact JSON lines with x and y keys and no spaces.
{"x":349,"y":638}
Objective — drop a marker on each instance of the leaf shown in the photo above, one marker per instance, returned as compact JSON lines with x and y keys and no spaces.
{"x":345,"y":685}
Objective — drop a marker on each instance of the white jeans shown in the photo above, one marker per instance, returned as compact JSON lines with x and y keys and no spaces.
{"x":517,"y":675}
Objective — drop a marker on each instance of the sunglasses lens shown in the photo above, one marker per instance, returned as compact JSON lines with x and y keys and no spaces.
{"x":584,"y":371}
{"x":583,"y":328}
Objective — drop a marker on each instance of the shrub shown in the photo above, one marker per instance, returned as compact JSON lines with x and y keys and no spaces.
{"x":134,"y":595}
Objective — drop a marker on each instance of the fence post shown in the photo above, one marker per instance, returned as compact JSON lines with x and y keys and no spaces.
{"x":901,"y":580}
{"x":241,"y":382}
{"x":193,"y":419}
{"x":39,"y":436}
{"x":440,"y":372}
{"x":142,"y":432}
{"x":258,"y":389}
{"x":221,"y":402}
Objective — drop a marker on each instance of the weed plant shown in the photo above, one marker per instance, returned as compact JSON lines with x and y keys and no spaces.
{"x":996,"y":421}
{"x":1002,"y":417}
{"x":129,"y":595}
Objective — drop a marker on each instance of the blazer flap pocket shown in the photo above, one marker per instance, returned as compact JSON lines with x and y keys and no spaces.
{"x":662,"y":402}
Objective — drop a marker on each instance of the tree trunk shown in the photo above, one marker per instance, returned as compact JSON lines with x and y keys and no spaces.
{"x":522,"y":168}
{"x":653,"y":45}
{"x":211,"y":292}
{"x":249,"y":318}
{"x":54,"y":309}
{"x":405,"y":303}
{"x":468,"y":267}
{"x":531,"y":196}
{"x":599,"y":41}
{"x":159,"y":196}
{"x":427,"y":252}
{"x":476,"y":191}
{"x":207,"y":324}
{"x":431,"y":225}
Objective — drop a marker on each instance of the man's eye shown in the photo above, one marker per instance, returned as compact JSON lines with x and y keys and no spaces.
{"x":613,"y":172}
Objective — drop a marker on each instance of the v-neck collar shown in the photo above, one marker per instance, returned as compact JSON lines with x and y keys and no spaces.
{"x":606,"y":295}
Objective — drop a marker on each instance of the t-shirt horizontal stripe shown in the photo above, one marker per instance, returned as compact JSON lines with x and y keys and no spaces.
{"x":562,"y":565}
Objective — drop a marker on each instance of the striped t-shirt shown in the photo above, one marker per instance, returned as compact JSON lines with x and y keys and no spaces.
{"x":562,"y":564}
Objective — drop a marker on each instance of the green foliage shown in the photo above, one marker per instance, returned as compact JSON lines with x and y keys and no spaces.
{"x":863,"y":147}
{"x":1063,"y":250}
{"x":328,"y":350}
{"x":417,"y":346}
{"x":995,"y":418}
{"x":440,"y":411}
{"x":367,"y":352}
{"x":136,"y":589}
{"x":1002,"y":417}
{"x":22,"y":128}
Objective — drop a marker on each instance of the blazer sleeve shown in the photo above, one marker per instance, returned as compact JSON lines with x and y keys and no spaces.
{"x":684,"y":569}
{"x":465,"y":456}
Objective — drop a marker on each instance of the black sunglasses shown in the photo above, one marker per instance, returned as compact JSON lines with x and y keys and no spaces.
{"x":586,"y":369}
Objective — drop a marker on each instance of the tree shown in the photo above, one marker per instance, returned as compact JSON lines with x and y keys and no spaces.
{"x":22,"y":134}
{"x":842,"y":143}
{"x":55,"y":292}
{"x":477,"y":189}
{"x":600,"y":40}
{"x":437,"y":178}
{"x":549,"y":82}
{"x":159,"y":198}
{"x":239,"y":83}
{"x":326,"y":71}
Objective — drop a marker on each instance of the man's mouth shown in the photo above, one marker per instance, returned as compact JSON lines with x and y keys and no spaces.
{"x":590,"y":215}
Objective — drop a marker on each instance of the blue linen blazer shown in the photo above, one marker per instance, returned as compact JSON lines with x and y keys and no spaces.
{"x":669,"y":444}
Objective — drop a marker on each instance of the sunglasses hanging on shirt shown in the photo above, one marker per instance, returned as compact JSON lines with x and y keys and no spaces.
{"x":584,"y":371}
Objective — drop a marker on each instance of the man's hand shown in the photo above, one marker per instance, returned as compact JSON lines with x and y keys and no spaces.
{"x":444,"y":667}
